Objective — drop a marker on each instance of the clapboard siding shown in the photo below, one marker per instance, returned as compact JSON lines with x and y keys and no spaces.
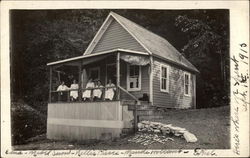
{"x":144,"y":81}
{"x":117,"y":37}
{"x":175,"y":98}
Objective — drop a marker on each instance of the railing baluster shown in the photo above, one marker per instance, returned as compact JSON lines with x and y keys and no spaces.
{"x":59,"y":97}
{"x":68,"y":98}
{"x":117,"y":93}
{"x":104,"y":93}
{"x":79,"y":94}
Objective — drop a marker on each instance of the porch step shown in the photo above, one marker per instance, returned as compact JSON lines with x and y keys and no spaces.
{"x":132,"y":102}
{"x":128,"y":102}
{"x":149,"y":117}
{"x":150,"y":114}
{"x":140,"y":107}
{"x":143,"y":105}
{"x":145,"y":111}
{"x":146,"y":103}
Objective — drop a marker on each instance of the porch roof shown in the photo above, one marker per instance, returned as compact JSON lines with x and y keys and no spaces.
{"x":95,"y":54}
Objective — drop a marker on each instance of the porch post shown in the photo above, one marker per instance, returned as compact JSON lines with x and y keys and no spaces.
{"x":50,"y":83}
{"x":80,"y":82}
{"x":194,"y":95}
{"x":151,"y":80}
{"x":106,"y":80}
{"x":118,"y":75}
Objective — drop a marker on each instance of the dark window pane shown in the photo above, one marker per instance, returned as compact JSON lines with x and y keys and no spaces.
{"x":131,"y":85}
{"x":131,"y":70}
{"x":164,"y":72}
{"x":186,"y":78}
{"x":164,"y":84}
{"x":186,"y":89}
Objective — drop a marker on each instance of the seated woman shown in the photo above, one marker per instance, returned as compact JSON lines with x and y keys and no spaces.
{"x":97,"y":93}
{"x":62,"y":95}
{"x":110,"y":91}
{"x":74,"y":91}
{"x":87,"y":93}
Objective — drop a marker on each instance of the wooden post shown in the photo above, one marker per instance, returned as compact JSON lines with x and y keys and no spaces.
{"x":68,"y":98}
{"x":80,"y":82}
{"x":106,"y":73}
{"x":106,"y":80}
{"x":50,"y":83}
{"x":118,"y":75}
{"x":59,"y":96}
{"x":135,"y":117}
{"x":151,"y":80}
{"x":194,"y":91}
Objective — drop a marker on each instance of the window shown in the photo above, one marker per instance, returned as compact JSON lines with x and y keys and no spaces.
{"x":164,"y":80}
{"x":134,"y":78}
{"x":94,"y":73}
{"x":187,"y":84}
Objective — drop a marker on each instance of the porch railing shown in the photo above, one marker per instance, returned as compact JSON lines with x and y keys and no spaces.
{"x":64,"y":96}
{"x":137,"y":102}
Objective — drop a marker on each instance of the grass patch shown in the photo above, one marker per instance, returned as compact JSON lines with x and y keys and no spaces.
{"x":211,"y":127}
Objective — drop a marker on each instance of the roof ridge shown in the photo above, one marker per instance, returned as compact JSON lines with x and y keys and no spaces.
{"x":139,"y":25}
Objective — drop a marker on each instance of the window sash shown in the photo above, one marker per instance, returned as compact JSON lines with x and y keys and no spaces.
{"x":164,"y":78}
{"x":164,"y":72}
{"x":187,"y":84}
{"x":164,"y":83}
{"x":134,"y":77}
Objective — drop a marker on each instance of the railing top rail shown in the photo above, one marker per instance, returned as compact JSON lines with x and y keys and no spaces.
{"x":131,"y":95}
{"x":85,"y":89}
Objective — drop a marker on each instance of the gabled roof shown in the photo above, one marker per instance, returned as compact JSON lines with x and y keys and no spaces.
{"x":154,"y":44}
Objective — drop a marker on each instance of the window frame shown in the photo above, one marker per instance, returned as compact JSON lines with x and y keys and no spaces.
{"x":189,"y":84}
{"x":128,"y":75}
{"x":167,"y":82}
{"x":93,"y":69}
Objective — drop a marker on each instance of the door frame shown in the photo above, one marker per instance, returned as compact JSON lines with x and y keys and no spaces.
{"x":106,"y":77}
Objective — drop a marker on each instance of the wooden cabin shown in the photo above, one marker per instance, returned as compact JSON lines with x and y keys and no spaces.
{"x":138,"y":62}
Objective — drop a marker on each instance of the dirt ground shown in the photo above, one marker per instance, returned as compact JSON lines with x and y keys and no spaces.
{"x":211,"y":127}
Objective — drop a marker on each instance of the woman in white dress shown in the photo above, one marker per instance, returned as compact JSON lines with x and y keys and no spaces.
{"x":97,"y":93}
{"x":74,"y":91}
{"x":62,"y":89}
{"x":87,"y":93}
{"x":110,"y":91}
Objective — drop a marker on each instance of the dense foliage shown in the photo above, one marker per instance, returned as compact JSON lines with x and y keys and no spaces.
{"x":42,"y":36}
{"x":208,"y":49}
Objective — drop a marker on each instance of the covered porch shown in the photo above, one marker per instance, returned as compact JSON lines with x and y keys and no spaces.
{"x":81,"y":119}
{"x":128,"y":71}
